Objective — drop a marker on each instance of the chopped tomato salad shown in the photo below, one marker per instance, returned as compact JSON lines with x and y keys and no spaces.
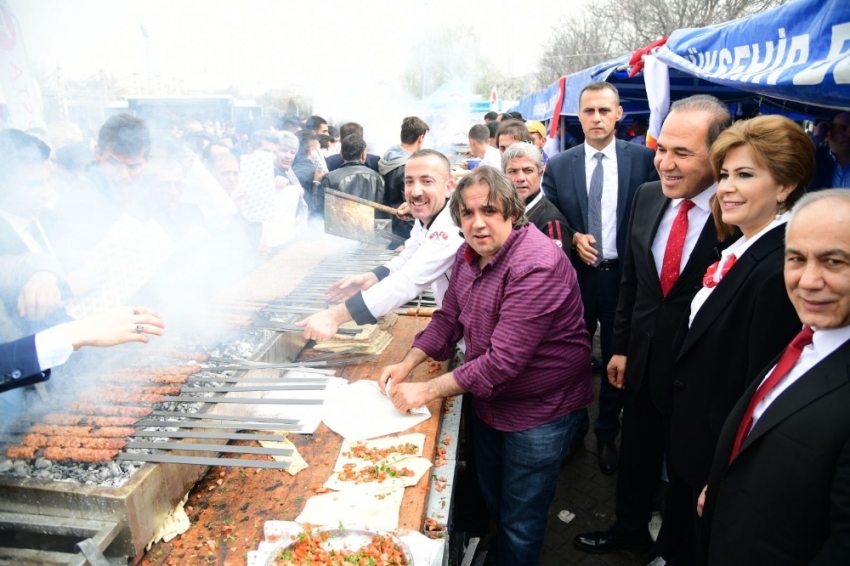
{"x":310,"y":549}
{"x":376,"y":454}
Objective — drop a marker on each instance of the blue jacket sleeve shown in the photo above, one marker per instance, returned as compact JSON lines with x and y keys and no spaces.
{"x":19,"y":364}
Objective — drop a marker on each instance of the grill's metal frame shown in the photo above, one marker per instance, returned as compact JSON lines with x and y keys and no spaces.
{"x":135,"y":509}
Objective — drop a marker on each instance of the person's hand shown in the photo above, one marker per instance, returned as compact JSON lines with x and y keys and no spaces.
{"x":583,"y":243}
{"x":397,"y":372}
{"x":464,"y":165}
{"x":617,"y":371}
{"x":40,"y":296}
{"x":701,"y":501}
{"x":403,"y":212}
{"x":115,"y":326}
{"x":347,"y":287}
{"x":322,"y":325}
{"x":280,"y":182}
{"x":319,"y":175}
{"x":408,"y":396}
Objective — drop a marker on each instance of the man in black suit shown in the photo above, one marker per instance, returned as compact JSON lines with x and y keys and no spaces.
{"x":671,"y":242}
{"x":593,"y":185}
{"x":336,"y":161}
{"x":779,"y":489}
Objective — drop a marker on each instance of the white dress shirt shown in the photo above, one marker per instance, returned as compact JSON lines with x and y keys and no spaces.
{"x":53,"y":346}
{"x":738,"y":248}
{"x":20,"y":225}
{"x":824,"y":342}
{"x":610,"y":188}
{"x":697,"y":217}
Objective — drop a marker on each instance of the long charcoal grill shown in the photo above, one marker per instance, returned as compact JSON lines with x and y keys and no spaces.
{"x":120,"y":519}
{"x":93,"y":521}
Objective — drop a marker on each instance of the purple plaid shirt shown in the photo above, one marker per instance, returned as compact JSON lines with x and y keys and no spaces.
{"x":527,"y":347}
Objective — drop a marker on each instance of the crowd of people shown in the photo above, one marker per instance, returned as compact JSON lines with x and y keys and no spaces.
{"x":698,"y":263}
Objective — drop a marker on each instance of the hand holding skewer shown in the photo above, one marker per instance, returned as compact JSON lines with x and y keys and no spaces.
{"x":323,"y":325}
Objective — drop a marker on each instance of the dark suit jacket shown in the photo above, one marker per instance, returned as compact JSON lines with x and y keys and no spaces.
{"x":336,"y":161}
{"x":19,"y":364}
{"x":785,"y":500}
{"x":646,"y":322}
{"x":824,"y":168}
{"x":565,"y":184}
{"x":745,"y":322}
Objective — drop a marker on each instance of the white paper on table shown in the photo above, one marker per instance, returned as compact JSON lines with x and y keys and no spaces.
{"x":309,"y":416}
{"x":126,"y":256}
{"x":422,"y":409}
{"x":360,"y":411}
{"x":375,"y":507}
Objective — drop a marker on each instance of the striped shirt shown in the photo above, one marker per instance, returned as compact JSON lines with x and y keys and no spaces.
{"x":527,"y":347}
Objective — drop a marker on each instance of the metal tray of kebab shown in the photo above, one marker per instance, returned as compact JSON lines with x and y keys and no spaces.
{"x":350,"y":538}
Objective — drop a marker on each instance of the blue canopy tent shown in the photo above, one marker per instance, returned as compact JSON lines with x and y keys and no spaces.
{"x":793,"y":59}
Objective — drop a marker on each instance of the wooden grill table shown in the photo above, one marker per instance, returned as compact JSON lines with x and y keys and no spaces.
{"x":229,"y":506}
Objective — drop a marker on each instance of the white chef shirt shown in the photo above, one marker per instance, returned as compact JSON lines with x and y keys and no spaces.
{"x":426,"y":260}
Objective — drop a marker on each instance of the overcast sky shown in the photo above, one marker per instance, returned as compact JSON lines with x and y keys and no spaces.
{"x":262,"y":44}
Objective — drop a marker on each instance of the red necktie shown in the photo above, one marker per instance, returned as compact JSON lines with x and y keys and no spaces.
{"x":786,"y":363}
{"x":708,"y":278}
{"x":675,"y":247}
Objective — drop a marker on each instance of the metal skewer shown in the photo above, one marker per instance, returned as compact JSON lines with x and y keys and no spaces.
{"x":262,"y":451}
{"x":226,"y":462}
{"x":223,"y":426}
{"x":240,"y":400}
{"x":204,"y":416}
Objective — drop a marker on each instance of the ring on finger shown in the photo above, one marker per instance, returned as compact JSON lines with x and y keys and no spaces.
{"x":140,"y":328}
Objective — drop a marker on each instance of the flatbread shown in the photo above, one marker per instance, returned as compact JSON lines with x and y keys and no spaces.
{"x":374,"y":507}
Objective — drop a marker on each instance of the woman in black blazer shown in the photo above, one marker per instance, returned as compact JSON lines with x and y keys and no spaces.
{"x":741,"y":318}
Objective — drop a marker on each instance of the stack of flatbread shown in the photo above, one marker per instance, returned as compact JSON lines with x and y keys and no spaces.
{"x":371,"y":340}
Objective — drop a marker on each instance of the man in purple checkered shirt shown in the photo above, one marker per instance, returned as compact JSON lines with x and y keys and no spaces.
{"x":515,"y":301}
